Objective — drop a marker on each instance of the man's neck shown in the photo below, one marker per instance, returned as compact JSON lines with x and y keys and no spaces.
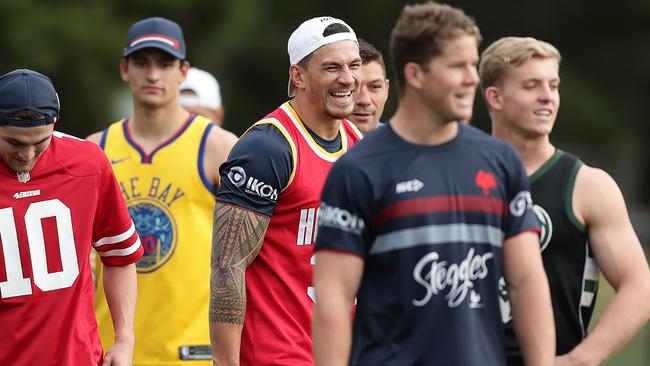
{"x":533,"y":151}
{"x":150,"y":127}
{"x":324,"y":126}
{"x":418,"y":123}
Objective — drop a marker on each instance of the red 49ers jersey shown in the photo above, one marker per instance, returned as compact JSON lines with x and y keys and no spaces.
{"x":277,"y":327}
{"x":47,"y":225}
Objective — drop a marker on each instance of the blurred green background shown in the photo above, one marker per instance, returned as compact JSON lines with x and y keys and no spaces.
{"x":605,"y":70}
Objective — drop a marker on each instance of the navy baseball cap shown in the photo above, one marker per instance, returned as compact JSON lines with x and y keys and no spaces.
{"x":158,"y":33}
{"x":24,"y":89}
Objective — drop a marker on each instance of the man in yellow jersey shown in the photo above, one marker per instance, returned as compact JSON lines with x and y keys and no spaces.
{"x":166,"y":163}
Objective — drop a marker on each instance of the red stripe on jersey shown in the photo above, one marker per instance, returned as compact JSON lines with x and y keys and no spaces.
{"x":418,"y":206}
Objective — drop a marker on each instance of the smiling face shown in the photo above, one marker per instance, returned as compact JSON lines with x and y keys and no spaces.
{"x":447,"y":83}
{"x":330,"y":78}
{"x":373,"y":92}
{"x":20,"y":147}
{"x":154,"y":77}
{"x":527,"y":99}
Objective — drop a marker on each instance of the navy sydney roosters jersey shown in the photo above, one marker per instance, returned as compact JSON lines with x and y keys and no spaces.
{"x":429,"y":222}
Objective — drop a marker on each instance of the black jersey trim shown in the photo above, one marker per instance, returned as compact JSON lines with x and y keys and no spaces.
{"x":568,"y":200}
{"x":546,"y":166}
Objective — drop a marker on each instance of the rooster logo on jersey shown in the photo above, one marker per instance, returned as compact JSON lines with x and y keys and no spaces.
{"x":485,"y":181}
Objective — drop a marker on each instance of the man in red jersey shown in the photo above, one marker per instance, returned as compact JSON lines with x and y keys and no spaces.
{"x":262,"y":251}
{"x":58,"y":195}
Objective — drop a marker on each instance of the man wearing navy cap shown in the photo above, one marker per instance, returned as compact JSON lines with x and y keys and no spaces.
{"x":165,"y":160}
{"x":58,"y":196}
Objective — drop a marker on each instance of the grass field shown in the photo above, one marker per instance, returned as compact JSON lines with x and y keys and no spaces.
{"x":635,"y":353}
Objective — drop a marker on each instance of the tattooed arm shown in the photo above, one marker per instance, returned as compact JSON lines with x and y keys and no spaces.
{"x":236,"y":241}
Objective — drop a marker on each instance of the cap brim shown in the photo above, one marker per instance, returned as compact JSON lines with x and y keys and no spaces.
{"x":291,"y":89}
{"x":161,"y":46}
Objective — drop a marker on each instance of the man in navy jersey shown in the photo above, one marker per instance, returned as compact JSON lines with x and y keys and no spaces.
{"x":580,"y":234}
{"x":265,"y":216}
{"x":420,"y":220}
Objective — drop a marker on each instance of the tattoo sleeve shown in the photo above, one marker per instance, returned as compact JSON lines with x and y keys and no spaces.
{"x":237,"y":236}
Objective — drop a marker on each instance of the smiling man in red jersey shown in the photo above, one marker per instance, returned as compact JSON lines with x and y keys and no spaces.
{"x":262,"y":255}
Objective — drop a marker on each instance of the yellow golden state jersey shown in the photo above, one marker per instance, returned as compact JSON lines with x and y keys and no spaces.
{"x":171,"y":201}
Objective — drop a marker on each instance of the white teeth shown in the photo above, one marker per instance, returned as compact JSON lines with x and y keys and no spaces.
{"x":341,"y":94}
{"x":544,"y":112}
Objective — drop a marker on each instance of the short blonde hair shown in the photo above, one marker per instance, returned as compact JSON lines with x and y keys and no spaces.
{"x":510,"y":52}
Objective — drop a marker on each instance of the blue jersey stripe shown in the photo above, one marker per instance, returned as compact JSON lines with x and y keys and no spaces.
{"x":204,"y":178}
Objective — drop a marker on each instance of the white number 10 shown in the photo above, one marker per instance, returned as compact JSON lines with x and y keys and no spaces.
{"x":16,"y":284}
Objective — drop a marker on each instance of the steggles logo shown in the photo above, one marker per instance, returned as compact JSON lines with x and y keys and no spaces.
{"x":435,"y":276}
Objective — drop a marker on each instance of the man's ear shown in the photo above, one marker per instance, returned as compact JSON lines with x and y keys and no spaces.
{"x":185,"y":66}
{"x":493,"y":98}
{"x":124,"y":68}
{"x":413,"y":75}
{"x":296,"y":73}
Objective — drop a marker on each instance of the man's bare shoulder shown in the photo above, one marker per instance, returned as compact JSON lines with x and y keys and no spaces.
{"x":95,"y":137}
{"x":596,"y":194}
{"x":220,"y":141}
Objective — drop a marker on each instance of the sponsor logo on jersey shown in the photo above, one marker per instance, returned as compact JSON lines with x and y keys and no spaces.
{"x":237,"y":175}
{"x":547,"y":225}
{"x":158,"y":232}
{"x":36,"y":192}
{"x":486,"y":181}
{"x":455,"y":280}
{"x":412,"y":185}
{"x":339,"y":218}
{"x":522,"y":202}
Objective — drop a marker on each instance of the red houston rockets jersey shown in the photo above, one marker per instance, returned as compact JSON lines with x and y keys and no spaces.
{"x":277,"y":326}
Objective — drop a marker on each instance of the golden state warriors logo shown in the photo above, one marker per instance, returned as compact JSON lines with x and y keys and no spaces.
{"x":547,"y":226}
{"x":157,"y":229}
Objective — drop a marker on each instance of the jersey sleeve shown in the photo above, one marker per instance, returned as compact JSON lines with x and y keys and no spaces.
{"x":114,"y":236}
{"x":520,"y":216}
{"x":257,"y":169}
{"x":346,"y":210}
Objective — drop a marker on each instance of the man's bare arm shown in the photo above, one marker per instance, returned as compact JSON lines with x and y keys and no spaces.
{"x":620,"y":257}
{"x":120,"y":287}
{"x":530,"y":298}
{"x":337,"y":276}
{"x":236,"y":241}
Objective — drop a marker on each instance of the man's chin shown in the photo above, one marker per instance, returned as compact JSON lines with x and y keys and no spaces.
{"x":339,"y":113}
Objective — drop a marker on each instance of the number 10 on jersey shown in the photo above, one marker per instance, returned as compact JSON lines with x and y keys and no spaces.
{"x":16,"y":284}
